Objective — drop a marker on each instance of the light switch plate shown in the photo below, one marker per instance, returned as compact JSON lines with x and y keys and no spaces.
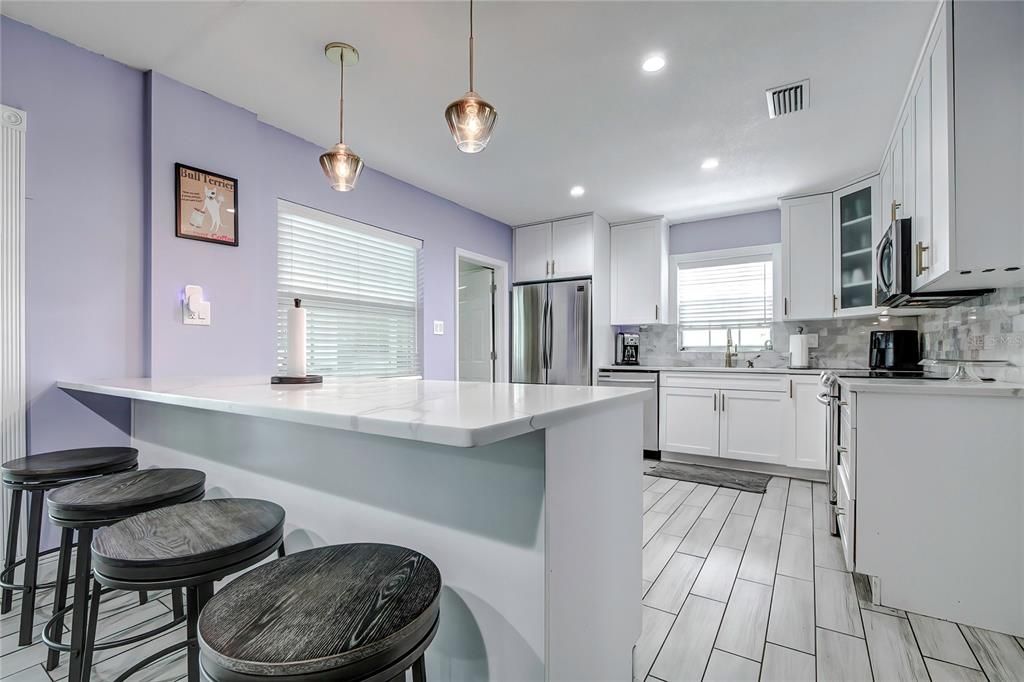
{"x":439,"y":327}
{"x":812,"y":340}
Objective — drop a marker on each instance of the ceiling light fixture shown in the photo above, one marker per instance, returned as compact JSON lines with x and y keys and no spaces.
{"x":471,"y":119}
{"x":340,"y":164}
{"x":577,"y":191}
{"x":708,"y":164}
{"x":653,"y":63}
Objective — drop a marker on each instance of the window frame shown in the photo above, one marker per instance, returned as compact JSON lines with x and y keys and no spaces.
{"x":733,"y":256}
{"x":354,"y":226}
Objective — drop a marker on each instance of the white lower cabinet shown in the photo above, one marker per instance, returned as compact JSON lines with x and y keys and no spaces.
{"x":689,"y":420}
{"x":753,"y":426}
{"x":766,"y":418}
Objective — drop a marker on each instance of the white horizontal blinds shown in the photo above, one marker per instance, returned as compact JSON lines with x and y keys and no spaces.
{"x":734,"y":295}
{"x":360,"y":287}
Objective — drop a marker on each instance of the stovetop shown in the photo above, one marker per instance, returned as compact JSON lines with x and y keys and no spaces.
{"x":887,"y":374}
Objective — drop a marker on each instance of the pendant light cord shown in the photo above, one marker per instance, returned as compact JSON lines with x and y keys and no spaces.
{"x":471,"y":45}
{"x":341,"y":102}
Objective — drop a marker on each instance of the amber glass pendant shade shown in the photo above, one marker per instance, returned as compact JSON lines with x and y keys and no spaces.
{"x":342,"y":167}
{"x":471,"y":122}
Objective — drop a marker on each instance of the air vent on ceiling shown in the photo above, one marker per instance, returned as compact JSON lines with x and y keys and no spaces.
{"x":787,"y":99}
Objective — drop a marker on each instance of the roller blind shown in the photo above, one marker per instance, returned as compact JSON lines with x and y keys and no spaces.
{"x":360,"y":287}
{"x":733,"y":295}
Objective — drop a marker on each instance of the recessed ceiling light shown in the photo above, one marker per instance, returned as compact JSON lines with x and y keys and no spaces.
{"x":577,"y":191}
{"x":654,"y":62}
{"x":708,"y":164}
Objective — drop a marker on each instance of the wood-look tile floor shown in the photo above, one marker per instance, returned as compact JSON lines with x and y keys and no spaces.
{"x":743,"y":586}
{"x":736,"y":586}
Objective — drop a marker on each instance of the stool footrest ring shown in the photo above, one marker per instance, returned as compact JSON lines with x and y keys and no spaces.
{"x":177,"y":646}
{"x":47,"y":635}
{"x":5,"y":581}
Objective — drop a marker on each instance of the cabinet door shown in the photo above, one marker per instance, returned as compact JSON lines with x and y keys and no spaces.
{"x":689,"y":420}
{"x":572,"y":247}
{"x":939,"y":253}
{"x":753,"y":426}
{"x":532,"y":257}
{"x":807,"y":257}
{"x":921,"y":226}
{"x":897,"y":173}
{"x":810,"y":424}
{"x":854,"y":271}
{"x":639,"y":261}
{"x":885,"y":190}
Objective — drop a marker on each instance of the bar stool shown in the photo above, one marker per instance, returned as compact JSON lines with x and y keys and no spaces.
{"x":362,"y":612}
{"x":188,"y":545}
{"x":94,"y":503}
{"x":35,"y":475}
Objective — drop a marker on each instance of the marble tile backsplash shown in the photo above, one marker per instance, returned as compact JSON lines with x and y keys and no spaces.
{"x":988,"y":328}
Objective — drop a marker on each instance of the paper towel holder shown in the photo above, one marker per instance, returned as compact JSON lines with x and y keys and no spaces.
{"x":287,"y":379}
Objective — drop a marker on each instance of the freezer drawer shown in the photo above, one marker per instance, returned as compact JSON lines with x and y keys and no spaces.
{"x":638,"y":380}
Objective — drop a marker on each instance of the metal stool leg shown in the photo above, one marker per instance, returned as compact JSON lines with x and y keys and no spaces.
{"x":60,"y":598}
{"x":280,"y":550}
{"x":197,"y":596}
{"x":28,"y":598}
{"x":177,"y":603}
{"x":79,"y":614}
{"x":143,"y":598}
{"x":90,"y":632}
{"x":12,"y":546}
{"x":419,"y":670}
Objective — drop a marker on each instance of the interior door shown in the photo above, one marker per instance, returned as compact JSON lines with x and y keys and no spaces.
{"x":753,"y":425}
{"x":532,"y":252}
{"x":476,"y":324}
{"x":688,"y":421}
{"x":568,"y":333}
{"x":529,"y":328}
{"x":572,"y":247}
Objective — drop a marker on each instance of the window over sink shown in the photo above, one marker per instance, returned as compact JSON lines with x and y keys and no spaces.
{"x":725,"y":295}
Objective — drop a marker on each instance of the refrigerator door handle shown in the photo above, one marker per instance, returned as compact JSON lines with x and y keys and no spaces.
{"x":550,"y":333}
{"x":544,"y":335}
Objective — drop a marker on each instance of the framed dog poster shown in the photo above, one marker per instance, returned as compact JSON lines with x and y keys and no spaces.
{"x":205,"y":206}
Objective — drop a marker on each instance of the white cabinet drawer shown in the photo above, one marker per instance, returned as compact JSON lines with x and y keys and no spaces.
{"x":726,"y":381}
{"x":847,"y":523}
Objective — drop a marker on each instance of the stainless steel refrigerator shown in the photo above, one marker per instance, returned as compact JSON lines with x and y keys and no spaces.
{"x":551,"y":333}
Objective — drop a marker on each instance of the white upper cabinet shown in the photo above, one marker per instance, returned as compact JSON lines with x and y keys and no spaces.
{"x":572,"y":247}
{"x":555,"y":250}
{"x":855,"y":221}
{"x":639,"y":272}
{"x":959,"y":177}
{"x":532,"y":252}
{"x":807,"y":257}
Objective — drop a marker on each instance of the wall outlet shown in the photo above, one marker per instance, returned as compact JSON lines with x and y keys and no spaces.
{"x":812,"y":340}
{"x":195,"y":310}
{"x":439,"y":327}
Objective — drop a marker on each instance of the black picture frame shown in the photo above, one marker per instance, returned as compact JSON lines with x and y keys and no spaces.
{"x":224,"y":182}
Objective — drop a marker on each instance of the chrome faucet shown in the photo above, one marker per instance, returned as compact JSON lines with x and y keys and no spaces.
{"x":729,"y":352}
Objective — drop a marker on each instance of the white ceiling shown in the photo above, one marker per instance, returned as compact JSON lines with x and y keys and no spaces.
{"x":574,"y":106}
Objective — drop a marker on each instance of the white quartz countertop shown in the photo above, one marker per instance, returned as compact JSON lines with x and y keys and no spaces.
{"x":461,"y":414}
{"x":1001,"y":389}
{"x":690,"y":368}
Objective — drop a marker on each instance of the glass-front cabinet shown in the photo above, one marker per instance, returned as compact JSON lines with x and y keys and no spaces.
{"x":857,"y":219}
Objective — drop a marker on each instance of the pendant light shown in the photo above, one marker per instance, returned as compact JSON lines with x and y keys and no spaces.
{"x":340,"y":164}
{"x":471,"y":119}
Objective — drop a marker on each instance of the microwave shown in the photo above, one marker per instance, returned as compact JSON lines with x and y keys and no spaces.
{"x":894,"y":275}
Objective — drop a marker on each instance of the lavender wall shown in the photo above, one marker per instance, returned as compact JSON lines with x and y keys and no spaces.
{"x":194,"y":128}
{"x":84,"y":215}
{"x":748,"y":229}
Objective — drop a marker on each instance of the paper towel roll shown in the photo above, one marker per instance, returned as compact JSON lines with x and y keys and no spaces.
{"x":798,"y":355}
{"x":297,"y":340}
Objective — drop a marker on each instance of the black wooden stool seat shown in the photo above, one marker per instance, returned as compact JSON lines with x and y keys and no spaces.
{"x":343,"y":612}
{"x":118,"y":496}
{"x":63,"y":465}
{"x":187,"y":545}
{"x":92,"y":503}
{"x":33,"y":476}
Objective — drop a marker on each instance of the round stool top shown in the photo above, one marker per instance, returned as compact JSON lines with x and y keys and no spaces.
{"x":118,"y":496}
{"x":324,"y":609}
{"x":188,"y":539}
{"x":48,"y":467}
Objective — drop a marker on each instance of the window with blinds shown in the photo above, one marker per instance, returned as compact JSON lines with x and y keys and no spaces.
{"x":360,"y":287}
{"x":726,"y":299}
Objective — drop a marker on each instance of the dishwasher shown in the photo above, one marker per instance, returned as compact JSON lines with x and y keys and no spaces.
{"x":638,"y":379}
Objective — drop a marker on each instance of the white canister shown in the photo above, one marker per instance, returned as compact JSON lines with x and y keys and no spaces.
{"x":798,"y":350}
{"x":297,"y":340}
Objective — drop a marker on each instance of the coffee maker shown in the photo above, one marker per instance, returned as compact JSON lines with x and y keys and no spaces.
{"x":627,"y":349}
{"x":894,"y":350}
